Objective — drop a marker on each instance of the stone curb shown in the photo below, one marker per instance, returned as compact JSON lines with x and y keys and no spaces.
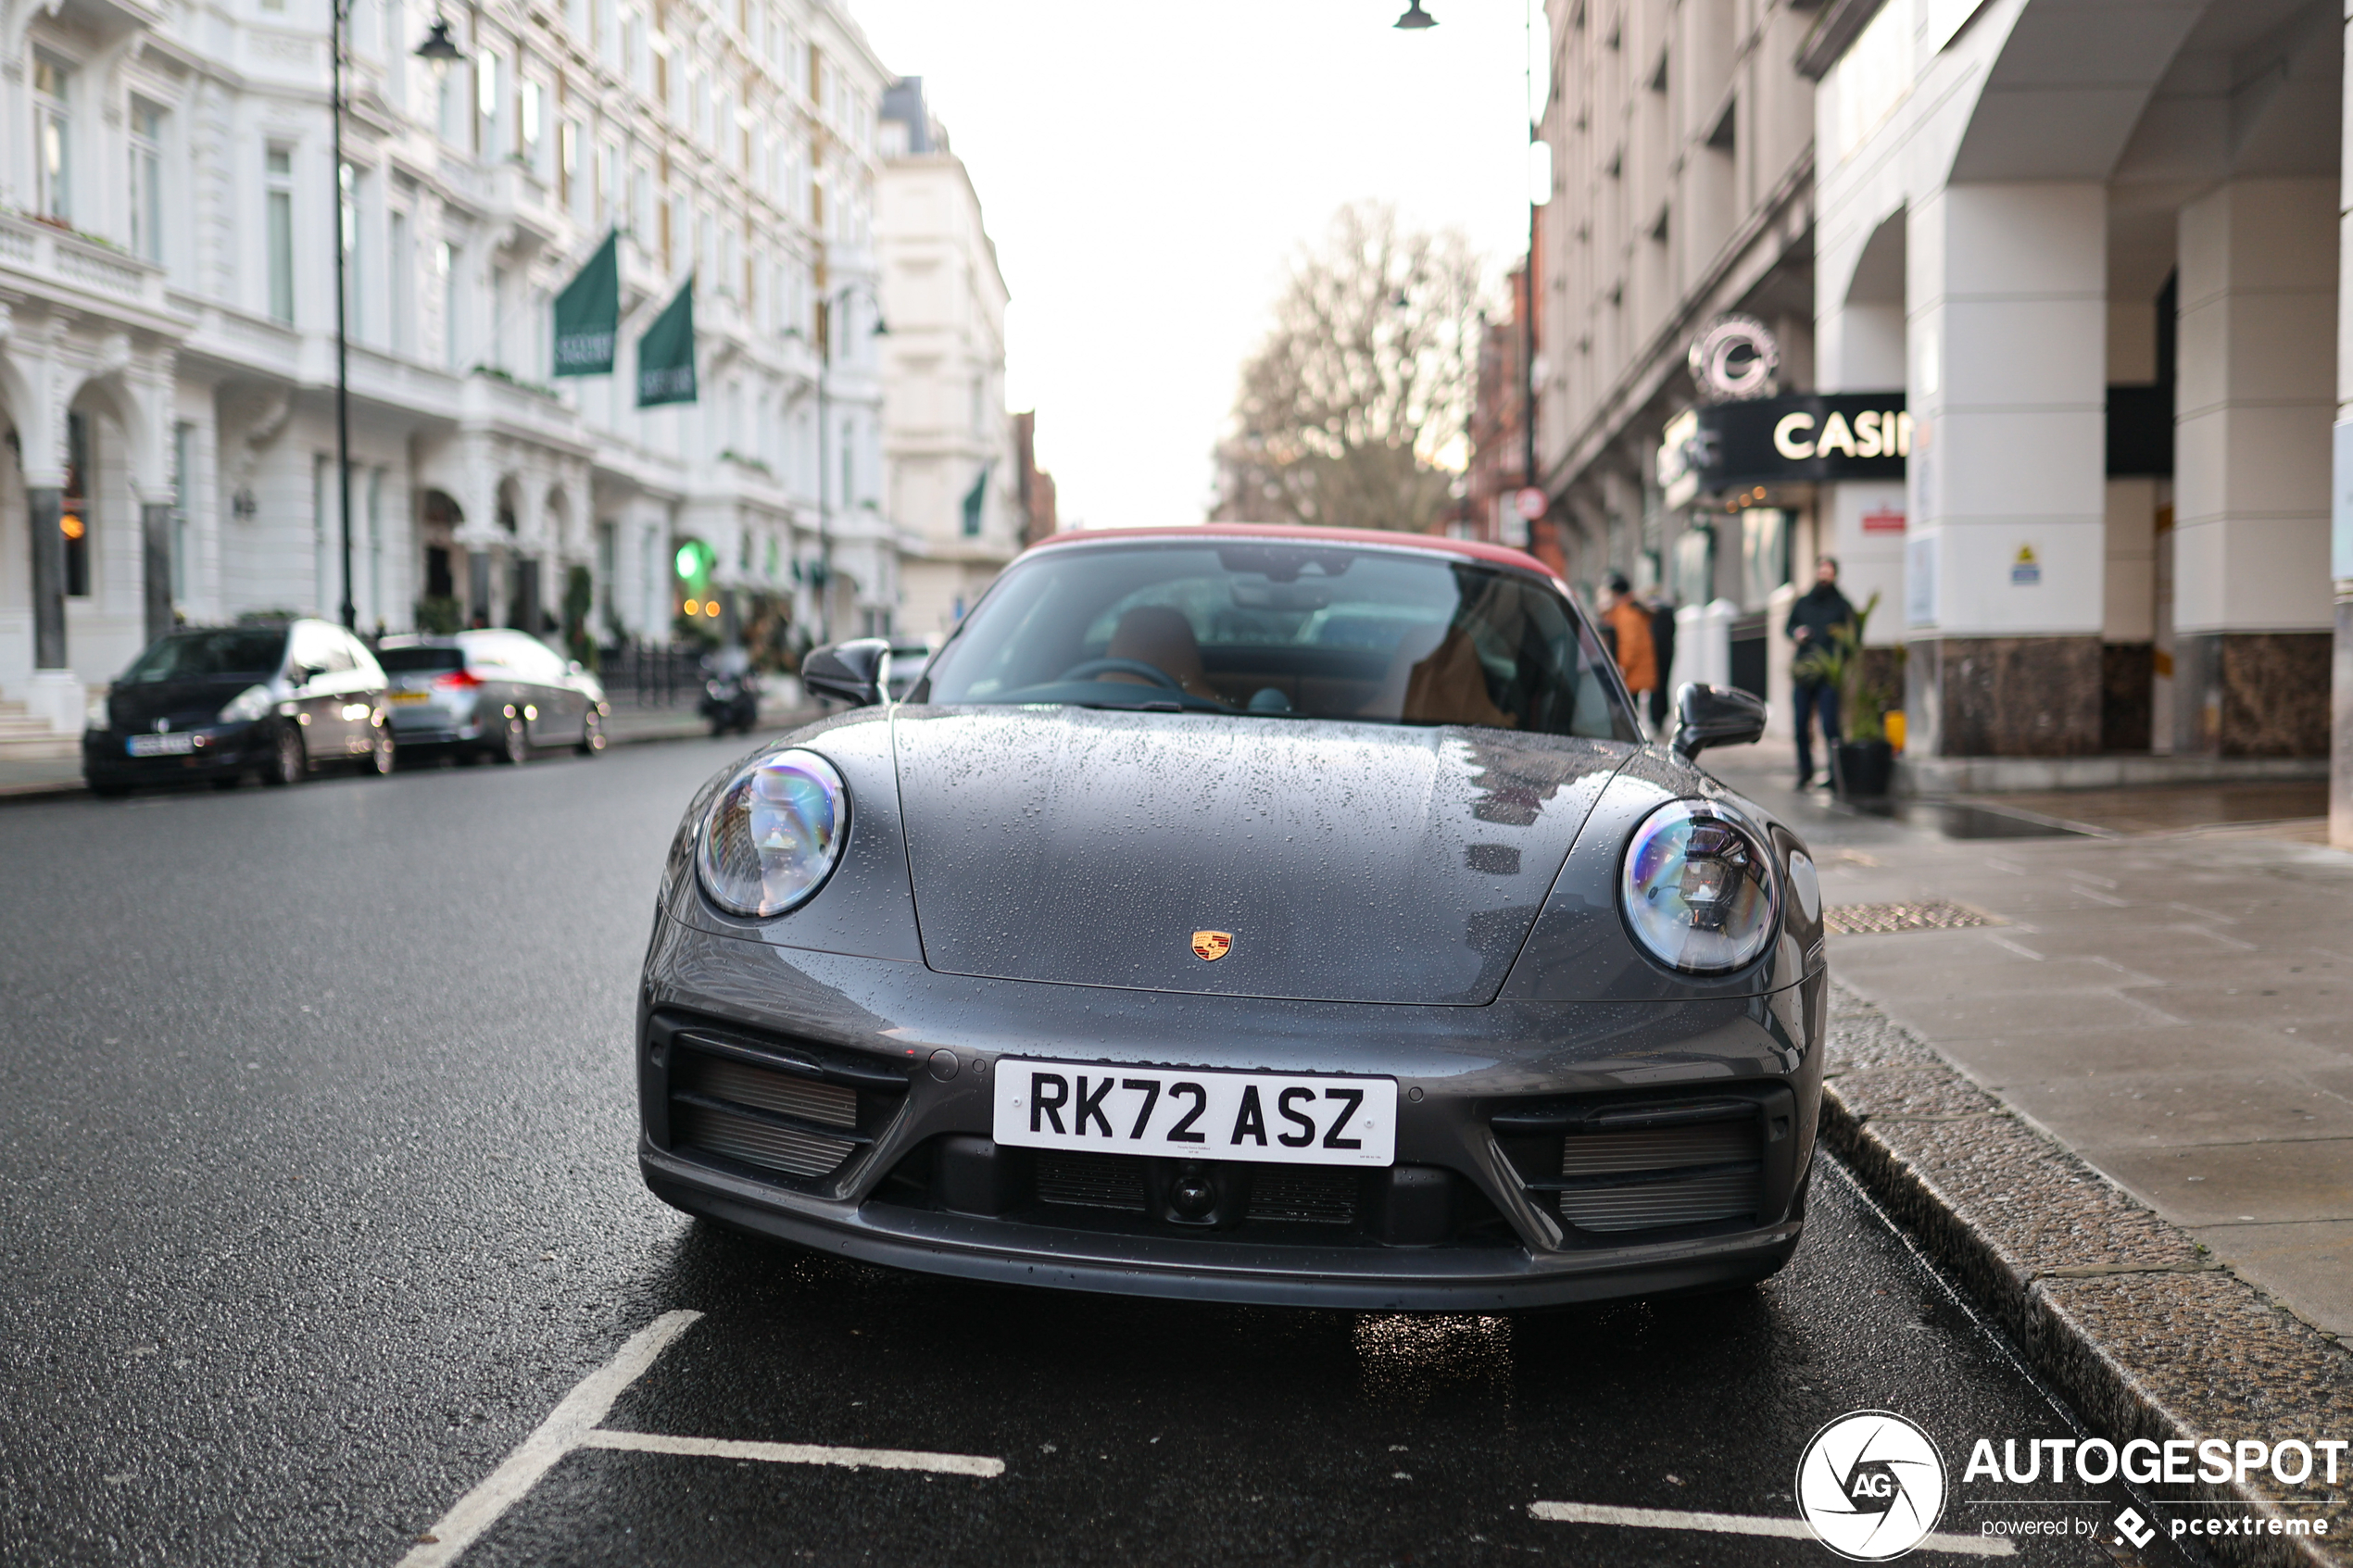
{"x":2141,"y":1330}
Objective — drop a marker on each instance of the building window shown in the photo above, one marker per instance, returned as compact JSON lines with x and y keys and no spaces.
{"x":146,"y":180}
{"x":323,"y":585}
{"x":607,"y":565}
{"x":402,"y":296}
{"x":347,"y":226}
{"x":447,"y":264}
{"x":375,"y":545}
{"x":567,"y":162}
{"x":486,"y":104}
{"x":278,"y":168}
{"x":74,"y":519}
{"x":183,"y":482}
{"x":53,"y":137}
{"x":527,"y":125}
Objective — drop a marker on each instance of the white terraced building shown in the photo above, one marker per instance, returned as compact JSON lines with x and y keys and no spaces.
{"x":947,"y":443}
{"x":168,"y":214}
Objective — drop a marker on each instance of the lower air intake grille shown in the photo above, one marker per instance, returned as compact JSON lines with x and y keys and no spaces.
{"x":1304,"y":1193}
{"x":743,"y":1084}
{"x":756,"y":1140}
{"x":1092,"y":1181}
{"x":1650,"y":1178}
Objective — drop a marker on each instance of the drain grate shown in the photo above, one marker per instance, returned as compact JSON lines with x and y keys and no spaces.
{"x":1876,"y":920}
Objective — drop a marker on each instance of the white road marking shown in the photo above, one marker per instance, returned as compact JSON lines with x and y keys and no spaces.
{"x":795,"y":1453}
{"x":572,"y":1425}
{"x":1741,"y":1524}
{"x":570,"y":1421}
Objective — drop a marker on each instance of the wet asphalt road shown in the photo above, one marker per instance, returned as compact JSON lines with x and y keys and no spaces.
{"x":317,"y":1195}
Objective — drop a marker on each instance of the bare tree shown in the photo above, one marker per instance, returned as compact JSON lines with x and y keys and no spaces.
{"x":1352,"y":413}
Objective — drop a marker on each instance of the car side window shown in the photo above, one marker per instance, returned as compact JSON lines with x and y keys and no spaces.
{"x":311,"y":650}
{"x":362,"y":659}
{"x":535,"y":662}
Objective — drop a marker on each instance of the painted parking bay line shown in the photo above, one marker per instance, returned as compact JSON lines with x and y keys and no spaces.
{"x":574,"y":1424}
{"x":795,"y":1453}
{"x":1741,"y":1524}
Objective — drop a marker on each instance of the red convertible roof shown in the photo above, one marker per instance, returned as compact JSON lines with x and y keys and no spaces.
{"x":1436,"y":545}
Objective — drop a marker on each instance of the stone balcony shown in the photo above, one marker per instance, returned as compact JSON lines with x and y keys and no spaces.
{"x":86,"y":272}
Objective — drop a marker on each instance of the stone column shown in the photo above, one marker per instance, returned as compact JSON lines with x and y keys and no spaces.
{"x":155,"y":538}
{"x":2007,"y":330}
{"x":2252,"y":612}
{"x":1859,"y":345}
{"x":2341,"y":521}
{"x":44,"y":505}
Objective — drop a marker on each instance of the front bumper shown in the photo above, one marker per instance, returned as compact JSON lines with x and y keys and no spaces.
{"x":219,"y":750}
{"x":416,"y":727}
{"x":1473,"y":1218}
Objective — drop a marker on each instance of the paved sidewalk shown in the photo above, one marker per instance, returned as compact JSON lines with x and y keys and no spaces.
{"x":2174,"y":1004}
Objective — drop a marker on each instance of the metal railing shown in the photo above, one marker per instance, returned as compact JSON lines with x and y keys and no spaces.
{"x":651,"y":674}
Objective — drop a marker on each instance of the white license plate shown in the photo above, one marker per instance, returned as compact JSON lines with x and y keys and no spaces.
{"x":1262,"y":1117}
{"x":162,"y":745}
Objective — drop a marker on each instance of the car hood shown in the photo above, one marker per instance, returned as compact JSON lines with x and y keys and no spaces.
{"x":186,"y":703}
{"x":1347,"y":862}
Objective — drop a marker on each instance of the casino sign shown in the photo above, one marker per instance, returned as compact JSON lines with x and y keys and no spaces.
{"x":1797,"y":438}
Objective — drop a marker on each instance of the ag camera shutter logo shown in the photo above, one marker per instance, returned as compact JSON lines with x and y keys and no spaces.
{"x":1872,"y":1485}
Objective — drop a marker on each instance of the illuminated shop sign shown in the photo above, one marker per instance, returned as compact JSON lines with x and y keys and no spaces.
{"x":1798,"y":438}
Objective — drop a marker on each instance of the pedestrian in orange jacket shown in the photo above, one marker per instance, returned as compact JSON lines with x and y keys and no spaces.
{"x":1630,"y":626}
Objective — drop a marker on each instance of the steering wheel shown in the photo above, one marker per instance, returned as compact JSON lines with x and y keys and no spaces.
{"x":1092,"y":667}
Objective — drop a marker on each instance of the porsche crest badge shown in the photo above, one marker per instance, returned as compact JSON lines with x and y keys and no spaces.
{"x":1211,"y":945}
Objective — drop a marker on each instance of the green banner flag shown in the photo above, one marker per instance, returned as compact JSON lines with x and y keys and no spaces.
{"x":589,"y":314}
{"x":975,"y":499}
{"x":666,"y":354}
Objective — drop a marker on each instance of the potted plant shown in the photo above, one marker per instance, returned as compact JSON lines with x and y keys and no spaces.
{"x":1863,"y":763}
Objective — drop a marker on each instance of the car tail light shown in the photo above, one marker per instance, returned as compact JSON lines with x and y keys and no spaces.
{"x":457,"y":679}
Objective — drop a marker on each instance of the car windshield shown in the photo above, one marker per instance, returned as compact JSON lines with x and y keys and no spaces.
{"x":209,"y":656}
{"x":1283,"y":630}
{"x":398,"y":661}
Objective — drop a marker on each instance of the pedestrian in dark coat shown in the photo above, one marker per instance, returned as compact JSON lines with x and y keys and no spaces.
{"x":1813,"y":620}
{"x":1663,"y":652}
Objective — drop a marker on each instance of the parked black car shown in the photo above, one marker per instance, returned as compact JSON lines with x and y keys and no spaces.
{"x":492,"y":693}
{"x":225,"y":701}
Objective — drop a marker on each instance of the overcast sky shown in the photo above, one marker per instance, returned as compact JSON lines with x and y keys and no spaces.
{"x":1147,"y":170}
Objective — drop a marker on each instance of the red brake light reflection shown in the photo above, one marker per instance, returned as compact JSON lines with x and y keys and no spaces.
{"x":457,"y":679}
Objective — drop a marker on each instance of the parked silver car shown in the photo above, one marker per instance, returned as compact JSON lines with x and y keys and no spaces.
{"x":495,"y":693}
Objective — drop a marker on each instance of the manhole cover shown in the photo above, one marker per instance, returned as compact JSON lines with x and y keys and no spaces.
{"x":1874,"y":919}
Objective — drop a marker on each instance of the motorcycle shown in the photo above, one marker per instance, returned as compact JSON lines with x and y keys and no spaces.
{"x":731,"y":700}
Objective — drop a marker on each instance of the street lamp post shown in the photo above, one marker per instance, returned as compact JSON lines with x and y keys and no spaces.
{"x":344,"y":214}
{"x":439,"y":51}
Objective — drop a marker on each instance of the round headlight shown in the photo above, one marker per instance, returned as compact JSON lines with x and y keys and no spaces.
{"x":774,"y":834}
{"x":247,"y":706}
{"x":1698,"y":888}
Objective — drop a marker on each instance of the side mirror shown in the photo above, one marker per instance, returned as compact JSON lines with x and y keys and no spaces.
{"x":1707,"y":716}
{"x":848,"y":672}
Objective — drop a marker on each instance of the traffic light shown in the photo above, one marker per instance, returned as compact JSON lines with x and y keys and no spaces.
{"x":694,"y":562}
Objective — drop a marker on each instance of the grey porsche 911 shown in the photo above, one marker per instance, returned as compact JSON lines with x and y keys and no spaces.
{"x":1251,"y":914}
